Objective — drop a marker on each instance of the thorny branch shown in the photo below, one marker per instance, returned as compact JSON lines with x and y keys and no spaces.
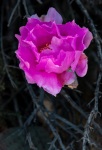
{"x":56,"y":135}
{"x":54,"y":131}
{"x":79,"y":109}
{"x":94,"y":111}
{"x":2,"y":50}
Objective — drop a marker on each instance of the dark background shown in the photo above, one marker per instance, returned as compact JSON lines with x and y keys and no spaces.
{"x":33,"y":119}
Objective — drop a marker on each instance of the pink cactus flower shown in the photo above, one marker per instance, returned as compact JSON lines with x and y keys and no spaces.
{"x":51,"y":53}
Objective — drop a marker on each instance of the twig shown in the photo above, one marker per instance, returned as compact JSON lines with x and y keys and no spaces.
{"x":31,"y":144}
{"x":66,"y":130}
{"x":94,"y":111}
{"x":52,"y":144}
{"x":68,"y":123}
{"x":74,"y":105}
{"x":39,"y":1}
{"x":2,"y":52}
{"x":54,"y":131}
{"x":17,"y":111}
{"x":25,"y":7}
{"x":12,"y":97}
{"x":70,"y":146}
{"x":30,"y":118}
{"x":12,"y":14}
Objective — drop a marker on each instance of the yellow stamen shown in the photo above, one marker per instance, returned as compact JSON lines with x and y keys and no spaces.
{"x":45,"y":47}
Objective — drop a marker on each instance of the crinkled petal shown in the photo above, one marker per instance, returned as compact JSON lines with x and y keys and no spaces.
{"x":33,"y":48}
{"x":68,"y":77}
{"x":23,"y":32}
{"x":76,"y":60}
{"x":43,"y":36}
{"x":58,"y":44}
{"x":51,"y":28}
{"x":62,"y":63}
{"x":48,"y":81}
{"x":26,"y":55}
{"x":35,"y":16}
{"x":87,"y":38}
{"x":53,"y":61}
{"x":53,"y":15}
{"x":32,"y":22}
{"x":82,"y":66}
{"x":84,"y":36}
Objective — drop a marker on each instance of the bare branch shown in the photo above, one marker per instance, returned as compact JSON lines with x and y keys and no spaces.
{"x":12,"y":14}
{"x":94,"y":111}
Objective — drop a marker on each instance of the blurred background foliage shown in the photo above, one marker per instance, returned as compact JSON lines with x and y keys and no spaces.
{"x":31,"y":118}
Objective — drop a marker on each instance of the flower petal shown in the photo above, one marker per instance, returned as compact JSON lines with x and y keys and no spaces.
{"x":76,"y":60}
{"x":61,"y":64}
{"x":82,"y":67}
{"x":68,"y":77}
{"x":43,"y":35}
{"x":35,"y":16}
{"x":27,"y":55}
{"x":87,"y":38}
{"x":48,"y":81}
{"x":83,"y":35}
{"x":53,"y":15}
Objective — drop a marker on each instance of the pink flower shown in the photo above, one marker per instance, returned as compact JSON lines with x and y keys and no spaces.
{"x":51,"y":53}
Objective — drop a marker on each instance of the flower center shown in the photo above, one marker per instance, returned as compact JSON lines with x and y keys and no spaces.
{"x":45,"y":47}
